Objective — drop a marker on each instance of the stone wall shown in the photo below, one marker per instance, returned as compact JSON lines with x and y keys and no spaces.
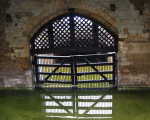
{"x":20,"y":19}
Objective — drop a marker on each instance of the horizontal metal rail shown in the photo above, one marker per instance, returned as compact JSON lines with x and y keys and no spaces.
{"x":55,"y":81}
{"x":94,"y":64}
{"x":88,"y":55}
{"x":60,"y":73}
{"x":69,"y":82}
{"x":90,"y":73}
{"x":93,"y":81}
{"x":79,"y":64}
{"x":78,"y":74}
{"x":52,"y":57}
{"x":53,"y":65}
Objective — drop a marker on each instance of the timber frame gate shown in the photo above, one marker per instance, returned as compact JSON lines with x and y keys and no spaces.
{"x":72,"y":46}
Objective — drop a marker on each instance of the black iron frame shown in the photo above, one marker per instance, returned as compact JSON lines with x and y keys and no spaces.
{"x":73,"y":64}
{"x":93,"y":49}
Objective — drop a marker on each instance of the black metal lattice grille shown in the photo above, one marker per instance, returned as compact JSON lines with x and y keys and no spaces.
{"x":83,"y":32}
{"x":105,"y":39}
{"x":41,"y":42}
{"x":61,"y":33}
{"x":73,"y":32}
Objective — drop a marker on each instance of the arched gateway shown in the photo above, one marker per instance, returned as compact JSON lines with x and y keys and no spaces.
{"x":74,"y":50}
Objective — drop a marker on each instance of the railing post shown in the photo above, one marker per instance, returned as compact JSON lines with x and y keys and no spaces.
{"x":114,"y":69}
{"x":74,"y":71}
{"x":36,"y":72}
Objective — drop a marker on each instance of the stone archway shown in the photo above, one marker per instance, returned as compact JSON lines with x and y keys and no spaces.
{"x":72,"y":34}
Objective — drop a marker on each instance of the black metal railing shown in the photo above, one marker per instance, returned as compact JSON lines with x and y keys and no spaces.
{"x":93,"y":70}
